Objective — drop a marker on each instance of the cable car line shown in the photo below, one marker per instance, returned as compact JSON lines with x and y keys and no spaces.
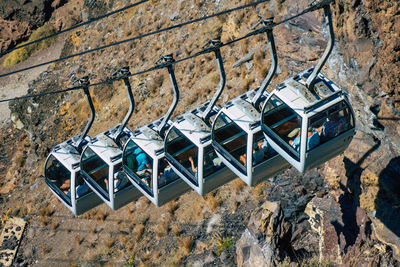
{"x":136,"y":37}
{"x":110,"y":80}
{"x":74,"y":27}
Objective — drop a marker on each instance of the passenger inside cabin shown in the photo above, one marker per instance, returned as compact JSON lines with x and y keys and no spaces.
{"x":263,"y":145}
{"x":144,"y":168}
{"x":66,"y":186}
{"x":167,"y":175}
{"x":120,"y":181}
{"x":332,"y":127}
{"x":312,"y":139}
{"x":81,"y":187}
{"x":258,"y":155}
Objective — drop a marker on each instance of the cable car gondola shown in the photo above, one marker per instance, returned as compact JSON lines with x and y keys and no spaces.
{"x":101,"y":161}
{"x":144,"y":157}
{"x":237,"y":136}
{"x":188,"y":142}
{"x":62,"y":170}
{"x":308,"y":119}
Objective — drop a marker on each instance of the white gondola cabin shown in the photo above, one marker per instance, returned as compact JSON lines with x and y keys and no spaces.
{"x":239,"y":142}
{"x":147,"y":168}
{"x":237,"y":136}
{"x":308,"y":127}
{"x":101,"y":166}
{"x":144,"y":158}
{"x":62,"y":171}
{"x":188,"y":145}
{"x":63,"y":177}
{"x":101,"y":161}
{"x":191,"y":155}
{"x":308,"y":119}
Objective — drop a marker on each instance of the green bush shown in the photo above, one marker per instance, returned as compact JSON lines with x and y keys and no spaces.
{"x":22,"y":54}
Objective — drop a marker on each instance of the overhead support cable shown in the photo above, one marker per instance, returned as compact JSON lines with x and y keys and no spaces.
{"x":110,"y":80}
{"x":74,"y":27}
{"x":135,"y":37}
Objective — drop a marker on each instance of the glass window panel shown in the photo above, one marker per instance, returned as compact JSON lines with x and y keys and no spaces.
{"x":331,"y":123}
{"x":232,"y":138}
{"x":140,"y":166}
{"x":120,"y":179}
{"x":165,"y":173}
{"x":212,"y":162}
{"x":96,"y":169}
{"x":60,"y":177}
{"x":80,"y":186}
{"x":261,"y":150}
{"x":184,"y":152}
{"x":285,"y":123}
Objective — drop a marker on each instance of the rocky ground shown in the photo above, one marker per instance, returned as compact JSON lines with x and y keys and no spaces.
{"x":344,"y":212}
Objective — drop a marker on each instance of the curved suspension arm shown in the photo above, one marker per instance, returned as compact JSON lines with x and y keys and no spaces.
{"x":163,"y":125}
{"x":222,"y":81}
{"x":118,"y":133}
{"x":311,"y":79}
{"x":272,"y":70}
{"x":79,"y":143}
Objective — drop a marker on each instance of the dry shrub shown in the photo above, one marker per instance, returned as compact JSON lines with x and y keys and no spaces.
{"x":101,"y":215}
{"x":162,"y":229}
{"x":139,"y":230}
{"x":109,"y":242}
{"x":186,"y":245}
{"x":247,"y":83}
{"x":264,"y":72}
{"x":123,"y":239}
{"x":209,"y":68}
{"x":244,"y":46}
{"x":46,"y":211}
{"x":24,"y":53}
{"x":54,"y":225}
{"x":212,"y":202}
{"x":174,"y":260}
{"x":172,"y":206}
{"x":259,"y":190}
{"x":176,"y":230}
{"x":237,"y":185}
{"x":215,"y":78}
{"x":259,"y":59}
{"x":44,"y":220}
{"x":79,"y":239}
{"x":46,"y":249}
{"x":235,"y":206}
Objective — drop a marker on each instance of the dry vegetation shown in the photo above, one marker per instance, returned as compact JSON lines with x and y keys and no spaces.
{"x":22,"y":54}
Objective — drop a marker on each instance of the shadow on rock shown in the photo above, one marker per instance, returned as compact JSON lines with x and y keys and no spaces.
{"x":387,"y":203}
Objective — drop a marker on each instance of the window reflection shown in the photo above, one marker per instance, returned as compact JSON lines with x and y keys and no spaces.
{"x":80,"y":186}
{"x":165,"y":173}
{"x":59,"y":177}
{"x":184,"y":152}
{"x":330,"y":123}
{"x":284,"y":122}
{"x":231,"y":137}
{"x":139,"y":165}
{"x":96,"y":169}
{"x":212,"y":162}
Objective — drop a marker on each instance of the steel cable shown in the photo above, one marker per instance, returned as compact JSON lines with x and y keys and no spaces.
{"x":110,"y":80}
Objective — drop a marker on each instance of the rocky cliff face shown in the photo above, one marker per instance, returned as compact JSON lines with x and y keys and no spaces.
{"x":346,"y":211}
{"x":19,"y":17}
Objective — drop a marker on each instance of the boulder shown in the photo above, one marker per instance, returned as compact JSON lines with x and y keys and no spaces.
{"x":326,"y":220}
{"x":266,"y":237}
